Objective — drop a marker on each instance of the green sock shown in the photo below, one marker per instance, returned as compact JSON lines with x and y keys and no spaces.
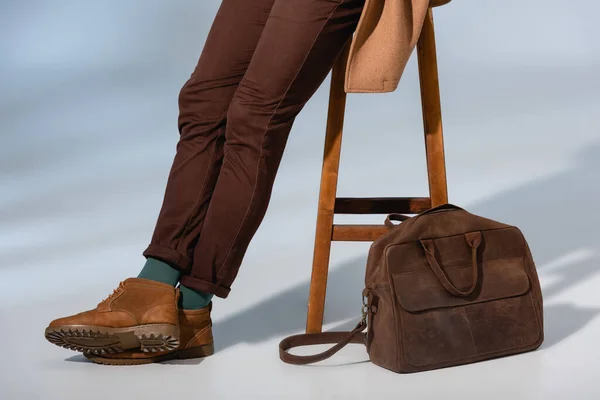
{"x":192,"y":299}
{"x":159,"y":271}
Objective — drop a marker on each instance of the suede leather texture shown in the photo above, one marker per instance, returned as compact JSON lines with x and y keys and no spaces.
{"x":386,"y":36}
{"x":416,"y":324}
{"x":135,"y":302}
{"x":195,"y":330}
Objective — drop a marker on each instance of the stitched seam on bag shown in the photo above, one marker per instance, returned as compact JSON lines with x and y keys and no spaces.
{"x":380,"y":287}
{"x":536,"y":286}
{"x":398,"y":339}
{"x":540,"y":325}
{"x":266,"y":129}
{"x":441,"y":237}
{"x":451,"y":236}
{"x":436,"y":308}
{"x":509,"y":296}
{"x":477,"y":356}
{"x":420,"y":271}
{"x":538,"y":318}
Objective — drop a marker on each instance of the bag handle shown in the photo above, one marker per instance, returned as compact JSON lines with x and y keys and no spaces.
{"x":446,"y":206}
{"x":474,"y":240}
{"x":443,"y":207}
{"x":402,"y":217}
{"x":340,"y":338}
{"x":394,"y":217}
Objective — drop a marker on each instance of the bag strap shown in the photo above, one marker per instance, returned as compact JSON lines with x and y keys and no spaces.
{"x":341,"y":339}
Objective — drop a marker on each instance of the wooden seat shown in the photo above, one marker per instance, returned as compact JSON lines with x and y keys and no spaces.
{"x":329,"y":204}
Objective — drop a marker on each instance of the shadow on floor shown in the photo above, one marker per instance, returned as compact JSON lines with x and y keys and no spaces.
{"x":550,"y":212}
{"x":538,"y":208}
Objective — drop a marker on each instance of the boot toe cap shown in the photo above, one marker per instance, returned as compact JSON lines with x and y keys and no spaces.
{"x":85,"y":318}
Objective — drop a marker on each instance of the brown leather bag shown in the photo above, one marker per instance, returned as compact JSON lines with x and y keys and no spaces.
{"x":443,"y":288}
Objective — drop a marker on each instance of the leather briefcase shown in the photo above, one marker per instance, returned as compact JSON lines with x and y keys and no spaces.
{"x":443,"y":288}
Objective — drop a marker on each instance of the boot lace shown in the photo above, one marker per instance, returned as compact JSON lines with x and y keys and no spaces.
{"x":110,"y":296}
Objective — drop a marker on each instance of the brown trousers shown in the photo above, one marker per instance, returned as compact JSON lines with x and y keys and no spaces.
{"x":261,"y":63}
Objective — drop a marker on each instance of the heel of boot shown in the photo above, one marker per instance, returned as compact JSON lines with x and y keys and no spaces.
{"x":197,"y":351}
{"x":158,"y":338}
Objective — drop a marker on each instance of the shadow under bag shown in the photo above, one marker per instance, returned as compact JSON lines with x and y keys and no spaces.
{"x":443,"y":288}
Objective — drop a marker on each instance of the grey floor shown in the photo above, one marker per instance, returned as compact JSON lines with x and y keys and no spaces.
{"x":88,"y":131}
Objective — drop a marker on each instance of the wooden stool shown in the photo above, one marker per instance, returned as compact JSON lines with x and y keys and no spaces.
{"x":329,"y":204}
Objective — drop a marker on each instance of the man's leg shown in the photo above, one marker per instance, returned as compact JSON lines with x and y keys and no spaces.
{"x":142,"y":313}
{"x":298,"y":46}
{"x":203,"y":104}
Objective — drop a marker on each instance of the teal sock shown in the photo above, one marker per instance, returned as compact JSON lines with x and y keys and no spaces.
{"x":193,"y":300}
{"x":159,"y":271}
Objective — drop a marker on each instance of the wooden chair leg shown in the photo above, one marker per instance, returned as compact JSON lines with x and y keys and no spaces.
{"x":432,"y":113}
{"x":327,"y":196}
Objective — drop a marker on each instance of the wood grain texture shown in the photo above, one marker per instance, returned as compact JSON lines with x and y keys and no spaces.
{"x":382,"y":205}
{"x":432,"y":113}
{"x":357,"y":233}
{"x":329,"y":180}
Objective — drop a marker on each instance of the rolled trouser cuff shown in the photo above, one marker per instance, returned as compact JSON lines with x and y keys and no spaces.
{"x":172,"y":257}
{"x":204,"y":286}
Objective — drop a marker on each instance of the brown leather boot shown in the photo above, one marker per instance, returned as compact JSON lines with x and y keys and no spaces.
{"x":139,"y":314}
{"x":196,"y":342}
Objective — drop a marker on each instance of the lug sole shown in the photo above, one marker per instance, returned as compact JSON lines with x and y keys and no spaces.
{"x":193,"y":352}
{"x":90,"y":339}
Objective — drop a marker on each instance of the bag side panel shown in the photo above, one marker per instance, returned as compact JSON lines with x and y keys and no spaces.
{"x":536,"y":289}
{"x":381,"y":334}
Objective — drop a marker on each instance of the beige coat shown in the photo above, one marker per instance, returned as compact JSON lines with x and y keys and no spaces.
{"x":387,"y":33}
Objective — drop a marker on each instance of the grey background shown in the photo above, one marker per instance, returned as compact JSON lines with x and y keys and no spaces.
{"x":88,"y":108}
